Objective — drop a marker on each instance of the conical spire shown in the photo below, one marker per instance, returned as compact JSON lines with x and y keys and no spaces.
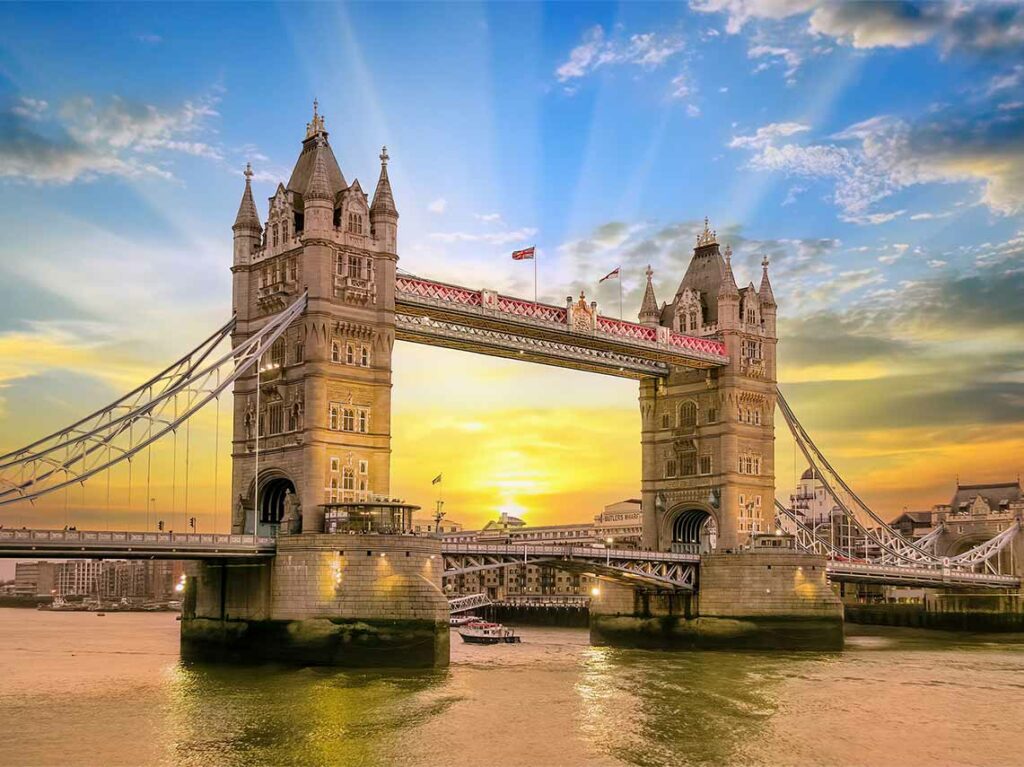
{"x":649,"y":306}
{"x":319,"y":187}
{"x":765,"y":292}
{"x":728,"y":286}
{"x":248,"y":216}
{"x":383,"y":200}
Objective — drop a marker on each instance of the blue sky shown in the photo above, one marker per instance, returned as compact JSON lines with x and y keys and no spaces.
{"x":873,"y":151}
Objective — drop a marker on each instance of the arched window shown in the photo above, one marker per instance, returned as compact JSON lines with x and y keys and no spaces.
{"x":688,"y":416}
{"x":335,"y":351}
{"x":350,"y":354}
{"x":364,"y":356}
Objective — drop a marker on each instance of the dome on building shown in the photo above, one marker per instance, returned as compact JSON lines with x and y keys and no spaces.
{"x":809,"y":474}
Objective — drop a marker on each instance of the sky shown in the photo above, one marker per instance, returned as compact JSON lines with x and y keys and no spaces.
{"x":873,"y":151}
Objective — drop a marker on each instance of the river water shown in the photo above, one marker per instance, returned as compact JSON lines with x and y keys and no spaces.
{"x":76,"y":688}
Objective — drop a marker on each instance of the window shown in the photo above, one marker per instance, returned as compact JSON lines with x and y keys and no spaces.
{"x":688,"y":416}
{"x":712,"y":415}
{"x":670,"y":468}
{"x":355,"y":267}
{"x":335,"y":351}
{"x":275,"y":235}
{"x":350,"y":354}
{"x":364,"y":466}
{"x":705,"y":464}
{"x":335,"y":464}
{"x":276,"y":418}
{"x":298,"y":353}
{"x":757,"y":417}
{"x":335,"y":419}
{"x":348,"y":420}
{"x":277,"y":353}
{"x":348,"y":479}
{"x":364,"y":356}
{"x":666,"y":421}
{"x":291,"y":421}
{"x":332,"y":494}
{"x":291,"y":270}
{"x":688,"y":464}
{"x":364,"y":421}
{"x":751,"y":316}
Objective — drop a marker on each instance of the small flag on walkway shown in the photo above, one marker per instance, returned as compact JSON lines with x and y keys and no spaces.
{"x":613,"y":273}
{"x":524,"y":255}
{"x":437,"y":479}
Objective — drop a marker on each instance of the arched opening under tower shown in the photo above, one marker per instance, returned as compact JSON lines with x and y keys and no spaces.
{"x":273,"y":491}
{"x":694,"y":531}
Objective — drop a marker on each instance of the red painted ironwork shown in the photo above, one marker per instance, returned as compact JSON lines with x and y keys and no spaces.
{"x":627,"y":329}
{"x":438,"y":290}
{"x":522,"y":308}
{"x":705,"y":345}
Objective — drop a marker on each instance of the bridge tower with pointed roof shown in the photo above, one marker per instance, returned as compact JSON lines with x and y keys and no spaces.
{"x":319,"y":426}
{"x":707,"y":437}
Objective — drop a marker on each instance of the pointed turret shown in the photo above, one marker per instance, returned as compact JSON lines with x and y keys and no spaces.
{"x":728,"y":286}
{"x":649,"y":312}
{"x":318,"y":188}
{"x":383,"y":214}
{"x":248,"y":217}
{"x":383,"y":200}
{"x":765,"y":291}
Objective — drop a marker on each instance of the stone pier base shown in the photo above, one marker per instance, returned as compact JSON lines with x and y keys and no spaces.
{"x":340,"y":600}
{"x":747,"y":600}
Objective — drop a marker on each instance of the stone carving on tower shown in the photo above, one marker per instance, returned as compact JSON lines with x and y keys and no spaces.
{"x":325,"y":385}
{"x":708,"y":436}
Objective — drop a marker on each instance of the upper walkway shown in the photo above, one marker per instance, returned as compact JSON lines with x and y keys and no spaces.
{"x":574,"y":336}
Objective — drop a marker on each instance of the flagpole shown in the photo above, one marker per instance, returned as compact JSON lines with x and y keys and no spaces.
{"x":620,"y":295}
{"x":535,"y":274}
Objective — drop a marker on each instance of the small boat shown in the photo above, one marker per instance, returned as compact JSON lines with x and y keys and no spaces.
{"x":101,"y":615}
{"x":481,"y":632}
{"x":461,"y":620}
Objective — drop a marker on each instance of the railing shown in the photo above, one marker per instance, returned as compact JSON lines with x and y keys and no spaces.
{"x":567,"y":551}
{"x":94,"y":538}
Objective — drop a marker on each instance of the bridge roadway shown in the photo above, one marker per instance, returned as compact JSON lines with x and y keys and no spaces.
{"x":652,"y":568}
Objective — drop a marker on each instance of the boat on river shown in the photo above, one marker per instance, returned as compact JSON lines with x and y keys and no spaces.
{"x":482,"y":632}
{"x":461,"y":620}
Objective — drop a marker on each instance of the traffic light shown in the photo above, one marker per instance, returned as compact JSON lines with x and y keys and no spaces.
{"x":160,"y":525}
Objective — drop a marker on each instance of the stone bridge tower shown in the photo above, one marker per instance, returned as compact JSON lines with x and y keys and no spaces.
{"x":708,"y":436}
{"x":320,"y":425}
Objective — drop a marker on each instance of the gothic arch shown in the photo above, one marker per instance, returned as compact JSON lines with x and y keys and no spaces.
{"x":690,"y":527}
{"x":274,"y":483}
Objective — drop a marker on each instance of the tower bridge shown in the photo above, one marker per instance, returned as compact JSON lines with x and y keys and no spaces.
{"x":319,"y":564}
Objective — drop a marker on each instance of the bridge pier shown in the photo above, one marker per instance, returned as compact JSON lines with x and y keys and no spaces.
{"x":325,"y":599}
{"x":760,"y":599}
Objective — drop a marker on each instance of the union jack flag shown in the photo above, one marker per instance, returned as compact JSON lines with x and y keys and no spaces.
{"x":613,"y":273}
{"x":523,"y":255}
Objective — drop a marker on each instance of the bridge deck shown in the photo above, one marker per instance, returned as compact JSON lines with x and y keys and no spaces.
{"x":120,"y":544}
{"x":654,"y":568}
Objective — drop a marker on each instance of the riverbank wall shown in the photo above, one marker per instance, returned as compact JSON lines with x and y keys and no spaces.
{"x":975,"y":613}
{"x":567,"y":616}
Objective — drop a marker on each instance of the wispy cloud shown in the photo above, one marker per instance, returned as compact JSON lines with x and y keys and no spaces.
{"x":440,"y":205}
{"x":85,"y":139}
{"x":648,"y":50}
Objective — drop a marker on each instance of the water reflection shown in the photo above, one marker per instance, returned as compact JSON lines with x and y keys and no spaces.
{"x":270,"y":714}
{"x":650,"y":708}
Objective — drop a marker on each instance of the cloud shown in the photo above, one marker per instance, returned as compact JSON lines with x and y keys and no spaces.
{"x":85,"y":140}
{"x":872,"y":160}
{"x":491,"y":238}
{"x":438,"y":206}
{"x":692,"y":110}
{"x":1007,"y":80}
{"x":649,"y":50}
{"x":768,"y":134}
{"x":776,"y":54}
{"x":488,"y":218}
{"x":978,"y":27}
{"x":30,"y":109}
